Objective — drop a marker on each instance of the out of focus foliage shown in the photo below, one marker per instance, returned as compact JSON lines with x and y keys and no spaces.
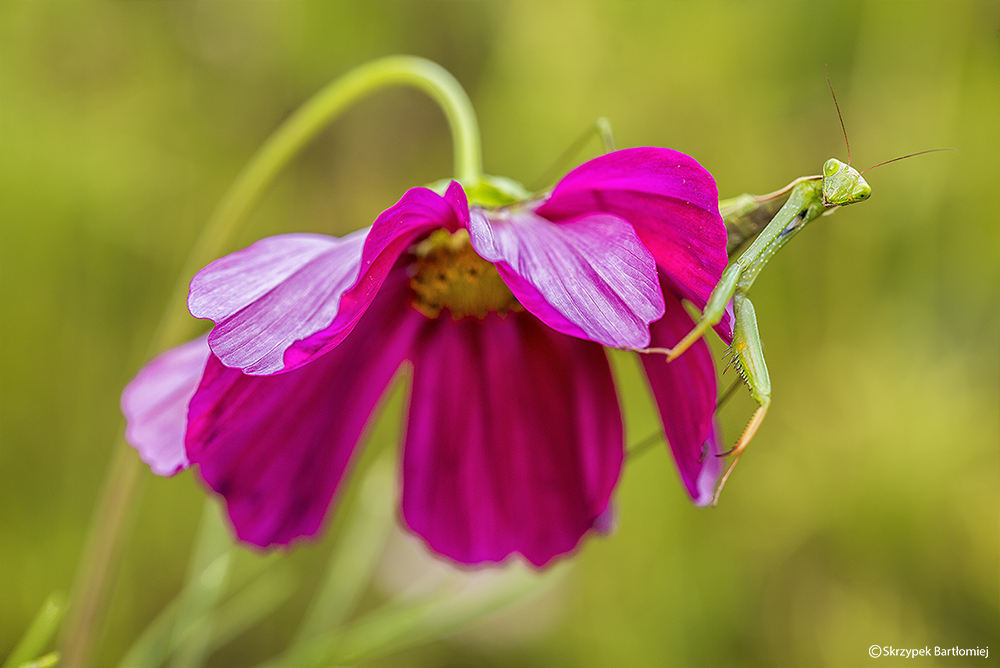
{"x":865,"y":512}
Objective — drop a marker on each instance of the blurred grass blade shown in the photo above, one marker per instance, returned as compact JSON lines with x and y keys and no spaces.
{"x":40,"y":632}
{"x":189,"y":611}
{"x":207,"y":572}
{"x":396,"y":627}
{"x":251,"y":605}
{"x":444,"y":615}
{"x":47,"y":661}
{"x":152,"y":647}
{"x":354,"y":556}
{"x":240,"y":612}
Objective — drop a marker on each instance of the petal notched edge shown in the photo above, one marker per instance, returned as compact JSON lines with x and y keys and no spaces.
{"x":711,"y":468}
{"x":228,"y":285}
{"x":273,"y":293}
{"x":419,"y":212}
{"x":155,"y":405}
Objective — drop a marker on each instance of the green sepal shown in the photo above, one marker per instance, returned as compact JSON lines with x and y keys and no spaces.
{"x":488,"y":191}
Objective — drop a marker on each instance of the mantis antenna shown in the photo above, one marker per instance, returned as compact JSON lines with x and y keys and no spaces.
{"x":848,"y":143}
{"x":904,"y":157}
{"x":826,"y":69}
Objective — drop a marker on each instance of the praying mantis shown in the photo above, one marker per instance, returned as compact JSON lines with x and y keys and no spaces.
{"x":808,"y":198}
{"x":793,"y":207}
{"x":775,"y":218}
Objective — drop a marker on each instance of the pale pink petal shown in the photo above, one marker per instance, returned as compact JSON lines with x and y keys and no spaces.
{"x":588,"y":277}
{"x":514,"y":440}
{"x":276,"y":447}
{"x":711,"y":467}
{"x":606,"y":523}
{"x":155,"y":405}
{"x":285,"y":300}
{"x":273,"y":293}
{"x":685,"y":394}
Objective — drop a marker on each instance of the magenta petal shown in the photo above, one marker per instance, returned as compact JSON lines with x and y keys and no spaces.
{"x":711,"y":467}
{"x":685,"y":394}
{"x":514,"y":440}
{"x":670,"y":199}
{"x":589,"y":277}
{"x":287,"y":299}
{"x":276,"y":447}
{"x":459,"y":203}
{"x":155,"y":405}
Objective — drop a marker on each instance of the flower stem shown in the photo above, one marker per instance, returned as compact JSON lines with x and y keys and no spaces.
{"x":303,"y":125}
{"x":114,"y":515}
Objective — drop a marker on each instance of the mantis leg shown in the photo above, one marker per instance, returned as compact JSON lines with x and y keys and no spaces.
{"x":804,"y":204}
{"x":712,"y":315}
{"x":748,"y":355}
{"x":601,"y":128}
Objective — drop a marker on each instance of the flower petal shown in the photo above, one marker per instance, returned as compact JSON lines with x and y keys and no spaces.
{"x":272,"y":293}
{"x":685,"y":393}
{"x":276,"y":447}
{"x":155,"y":405}
{"x":711,"y":467}
{"x":671,"y":200}
{"x":514,"y":440}
{"x":283,"y":301}
{"x":588,"y":277}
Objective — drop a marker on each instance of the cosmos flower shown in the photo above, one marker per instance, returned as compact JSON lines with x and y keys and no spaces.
{"x":513,"y":439}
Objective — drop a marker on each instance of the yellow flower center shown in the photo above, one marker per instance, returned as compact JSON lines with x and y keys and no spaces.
{"x":448,"y":274}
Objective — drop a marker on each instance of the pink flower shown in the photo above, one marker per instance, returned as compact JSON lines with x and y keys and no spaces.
{"x":514,"y":440}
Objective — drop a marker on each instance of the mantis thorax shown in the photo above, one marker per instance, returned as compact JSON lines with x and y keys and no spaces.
{"x":842,"y":184}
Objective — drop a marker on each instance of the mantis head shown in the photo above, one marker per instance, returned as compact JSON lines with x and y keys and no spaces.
{"x":842,"y":184}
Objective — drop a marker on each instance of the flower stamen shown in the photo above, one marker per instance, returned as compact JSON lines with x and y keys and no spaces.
{"x":448,"y":274}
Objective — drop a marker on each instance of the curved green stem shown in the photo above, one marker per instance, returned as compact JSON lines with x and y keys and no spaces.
{"x":115,"y":510}
{"x":302,"y":126}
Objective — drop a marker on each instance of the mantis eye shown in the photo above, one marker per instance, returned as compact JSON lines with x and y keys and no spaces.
{"x":861,"y":191}
{"x":832,"y":167}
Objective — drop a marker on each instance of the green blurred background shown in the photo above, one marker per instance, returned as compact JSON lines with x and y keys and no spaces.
{"x":867,"y":510}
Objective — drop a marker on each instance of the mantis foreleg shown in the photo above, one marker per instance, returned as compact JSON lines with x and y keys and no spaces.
{"x":748,"y":356}
{"x":805,"y":203}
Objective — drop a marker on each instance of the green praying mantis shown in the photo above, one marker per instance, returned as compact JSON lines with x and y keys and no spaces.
{"x":774,"y":218}
{"x":808,"y":198}
{"x":782,"y":214}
